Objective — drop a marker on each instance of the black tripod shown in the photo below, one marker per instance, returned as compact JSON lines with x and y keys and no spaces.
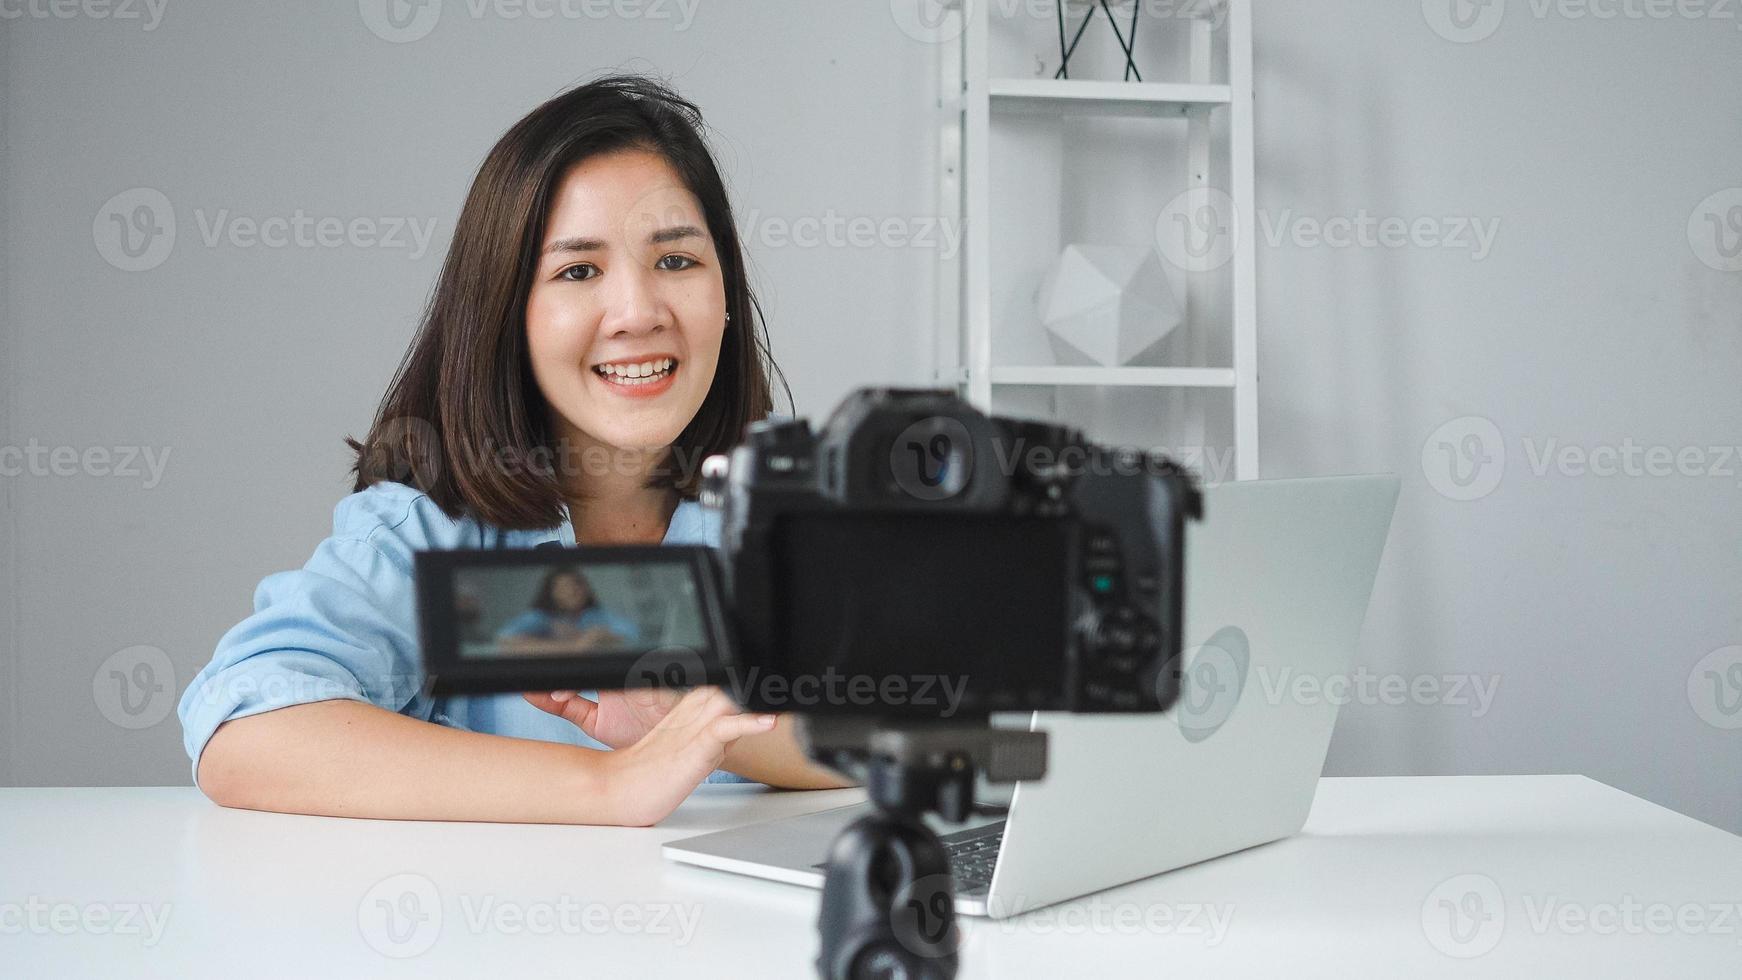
{"x":888,"y":906}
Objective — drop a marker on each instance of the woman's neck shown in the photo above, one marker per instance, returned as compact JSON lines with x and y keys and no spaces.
{"x":612,"y":504}
{"x":603,"y":516}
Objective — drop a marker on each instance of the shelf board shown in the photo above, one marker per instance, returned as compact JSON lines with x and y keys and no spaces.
{"x":1130,"y":377}
{"x":1105,"y":98}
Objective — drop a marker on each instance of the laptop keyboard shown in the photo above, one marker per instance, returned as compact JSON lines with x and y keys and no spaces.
{"x":973,"y":854}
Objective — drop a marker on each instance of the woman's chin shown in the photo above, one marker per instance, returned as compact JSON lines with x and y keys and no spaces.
{"x":627,"y":445}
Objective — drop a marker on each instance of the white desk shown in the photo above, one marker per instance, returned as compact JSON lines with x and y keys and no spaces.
{"x":1578,"y":880}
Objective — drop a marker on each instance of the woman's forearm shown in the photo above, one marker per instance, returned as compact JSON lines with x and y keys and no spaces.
{"x":351,"y":759}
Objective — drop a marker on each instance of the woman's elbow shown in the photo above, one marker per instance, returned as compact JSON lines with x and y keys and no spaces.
{"x":215,"y":775}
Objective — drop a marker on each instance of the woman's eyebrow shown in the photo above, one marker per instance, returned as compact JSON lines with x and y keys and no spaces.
{"x":674,"y":233}
{"x":574,"y":245}
{"x":660,"y":237}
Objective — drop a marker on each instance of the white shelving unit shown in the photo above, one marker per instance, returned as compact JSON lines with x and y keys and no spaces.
{"x":972,"y":102}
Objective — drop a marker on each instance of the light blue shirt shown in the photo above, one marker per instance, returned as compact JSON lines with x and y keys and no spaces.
{"x":345,"y":625}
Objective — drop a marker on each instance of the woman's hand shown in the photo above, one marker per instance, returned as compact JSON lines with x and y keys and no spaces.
{"x":647,"y":780}
{"x":618,"y":718}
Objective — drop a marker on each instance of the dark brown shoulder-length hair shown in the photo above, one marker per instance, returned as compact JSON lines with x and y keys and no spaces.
{"x":463,"y":419}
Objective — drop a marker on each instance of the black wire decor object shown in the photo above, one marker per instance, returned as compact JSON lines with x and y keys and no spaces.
{"x":1127,"y":44}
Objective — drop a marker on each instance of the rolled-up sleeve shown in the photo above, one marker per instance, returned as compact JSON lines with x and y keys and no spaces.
{"x":339,"y":627}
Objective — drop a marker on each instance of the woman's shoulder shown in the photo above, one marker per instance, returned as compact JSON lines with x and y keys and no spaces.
{"x":398,"y":517}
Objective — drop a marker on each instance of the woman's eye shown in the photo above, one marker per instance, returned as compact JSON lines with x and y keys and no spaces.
{"x":675,"y":263}
{"x":579,"y":273}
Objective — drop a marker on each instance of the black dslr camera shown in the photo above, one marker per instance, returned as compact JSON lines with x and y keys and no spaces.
{"x":895,"y":578}
{"x":914,"y":537}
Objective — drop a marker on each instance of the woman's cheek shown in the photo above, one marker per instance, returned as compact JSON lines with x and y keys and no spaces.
{"x":557,"y":334}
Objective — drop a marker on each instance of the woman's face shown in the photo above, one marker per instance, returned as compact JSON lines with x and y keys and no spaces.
{"x":628,"y":304}
{"x":569,"y":593}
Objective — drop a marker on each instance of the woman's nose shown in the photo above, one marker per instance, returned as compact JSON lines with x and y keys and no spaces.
{"x":635,"y":305}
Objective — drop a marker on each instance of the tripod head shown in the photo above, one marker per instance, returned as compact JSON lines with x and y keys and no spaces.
{"x":888,"y":905}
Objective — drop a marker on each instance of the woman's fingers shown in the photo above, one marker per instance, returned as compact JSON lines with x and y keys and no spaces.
{"x":733,"y":727}
{"x":699,"y":705}
{"x":709,"y":714}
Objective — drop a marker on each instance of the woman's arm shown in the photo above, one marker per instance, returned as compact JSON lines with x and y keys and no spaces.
{"x":351,"y":759}
{"x":774,"y":757}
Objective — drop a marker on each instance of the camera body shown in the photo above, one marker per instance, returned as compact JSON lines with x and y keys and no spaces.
{"x":1011,"y":563}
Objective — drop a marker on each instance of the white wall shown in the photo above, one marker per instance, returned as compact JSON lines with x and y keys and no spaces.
{"x":1592,"y":320}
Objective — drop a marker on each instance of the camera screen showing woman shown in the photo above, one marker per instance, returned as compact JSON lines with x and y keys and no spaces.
{"x":566,"y":617}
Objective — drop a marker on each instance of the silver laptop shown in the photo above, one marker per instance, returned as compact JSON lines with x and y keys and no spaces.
{"x":1278,"y":574}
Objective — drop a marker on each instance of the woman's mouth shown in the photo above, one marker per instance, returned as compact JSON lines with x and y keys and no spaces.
{"x":639,"y":378}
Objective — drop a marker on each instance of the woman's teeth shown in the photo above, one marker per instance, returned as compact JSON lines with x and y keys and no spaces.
{"x":645,"y":372}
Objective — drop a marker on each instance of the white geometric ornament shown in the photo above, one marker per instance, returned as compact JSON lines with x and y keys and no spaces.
{"x":1106,"y":304}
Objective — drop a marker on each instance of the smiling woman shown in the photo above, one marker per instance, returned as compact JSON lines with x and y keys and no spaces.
{"x":597,"y":238}
{"x":592,"y":337}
